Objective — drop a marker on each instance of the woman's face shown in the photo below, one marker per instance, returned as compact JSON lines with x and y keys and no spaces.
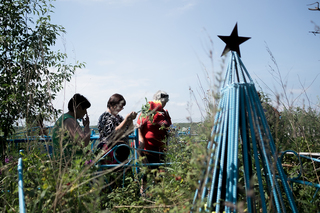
{"x":164,"y":98}
{"x":117,"y":108}
{"x":81,"y":112}
{"x":163,"y":103}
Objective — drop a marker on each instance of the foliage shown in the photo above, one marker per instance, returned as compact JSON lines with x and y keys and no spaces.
{"x":79,"y":188}
{"x":296,"y":129}
{"x":30,"y":73}
{"x":299,"y":133}
{"x":299,"y":130}
{"x":50,"y":186}
{"x":171,"y":188}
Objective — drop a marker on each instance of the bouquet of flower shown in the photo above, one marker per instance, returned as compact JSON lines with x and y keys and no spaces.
{"x":150,"y":109}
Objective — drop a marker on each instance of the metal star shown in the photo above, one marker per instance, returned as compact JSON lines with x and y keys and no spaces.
{"x":233,"y":41}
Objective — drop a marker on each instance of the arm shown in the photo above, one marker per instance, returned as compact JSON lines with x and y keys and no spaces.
{"x":128,"y":121}
{"x":141,"y":139}
{"x":140,"y":136}
{"x":76,"y":131}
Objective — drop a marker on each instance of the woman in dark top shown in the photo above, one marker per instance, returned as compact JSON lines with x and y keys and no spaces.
{"x":114,"y":129}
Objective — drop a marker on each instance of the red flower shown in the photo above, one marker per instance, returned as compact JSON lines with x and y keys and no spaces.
{"x":155,"y":105}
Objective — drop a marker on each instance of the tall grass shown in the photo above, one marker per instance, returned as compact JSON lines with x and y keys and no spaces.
{"x":297,"y":129}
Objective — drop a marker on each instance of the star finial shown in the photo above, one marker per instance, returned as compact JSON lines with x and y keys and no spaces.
{"x":233,"y":41}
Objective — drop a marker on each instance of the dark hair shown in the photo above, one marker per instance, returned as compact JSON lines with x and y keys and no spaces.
{"x":78,"y":100}
{"x":115,"y":99}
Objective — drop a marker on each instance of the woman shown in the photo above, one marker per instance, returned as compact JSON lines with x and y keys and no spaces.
{"x":153,"y":130}
{"x":114,"y":129}
{"x":154,"y":123}
{"x":67,"y":132}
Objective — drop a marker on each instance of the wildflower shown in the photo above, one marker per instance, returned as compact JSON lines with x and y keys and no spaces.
{"x":88,"y":162}
{"x":72,"y":188}
{"x":7,"y":160}
{"x":45,"y":186}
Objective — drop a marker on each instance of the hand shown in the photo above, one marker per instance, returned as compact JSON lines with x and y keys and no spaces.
{"x":131,"y":116}
{"x":86,"y":120}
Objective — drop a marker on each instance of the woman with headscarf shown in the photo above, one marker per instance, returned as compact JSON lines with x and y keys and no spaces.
{"x":154,"y":122}
{"x":153,"y":127}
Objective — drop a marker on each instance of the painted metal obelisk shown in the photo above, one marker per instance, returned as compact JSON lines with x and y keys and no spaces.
{"x":242,"y":143}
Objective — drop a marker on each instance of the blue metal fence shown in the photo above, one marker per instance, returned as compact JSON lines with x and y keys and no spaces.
{"x":298,"y":179}
{"x":20,"y":186}
{"x":132,"y":161}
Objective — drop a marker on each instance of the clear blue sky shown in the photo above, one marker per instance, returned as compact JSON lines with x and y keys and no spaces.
{"x":136,"y":47}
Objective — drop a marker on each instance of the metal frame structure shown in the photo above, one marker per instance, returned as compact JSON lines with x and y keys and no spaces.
{"x":298,"y":179}
{"x":241,"y":127}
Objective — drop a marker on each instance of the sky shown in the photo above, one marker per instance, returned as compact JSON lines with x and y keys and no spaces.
{"x":137,"y":47}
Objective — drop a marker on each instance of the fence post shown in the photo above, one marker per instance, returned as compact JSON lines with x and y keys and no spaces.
{"x":20,"y":186}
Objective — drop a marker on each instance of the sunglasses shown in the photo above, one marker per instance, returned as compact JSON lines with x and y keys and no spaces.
{"x":164,"y":96}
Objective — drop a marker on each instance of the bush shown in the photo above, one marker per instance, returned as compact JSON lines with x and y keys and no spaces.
{"x":50,"y":186}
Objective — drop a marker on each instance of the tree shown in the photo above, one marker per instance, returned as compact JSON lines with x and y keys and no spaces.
{"x":317,"y":28}
{"x":30,"y":72}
